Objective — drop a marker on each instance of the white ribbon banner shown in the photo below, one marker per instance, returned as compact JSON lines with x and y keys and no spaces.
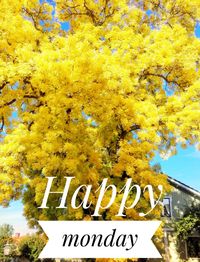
{"x":100,"y":239}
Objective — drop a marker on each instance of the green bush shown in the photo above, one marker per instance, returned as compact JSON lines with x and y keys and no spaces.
{"x":189,"y":222}
{"x":31,"y":246}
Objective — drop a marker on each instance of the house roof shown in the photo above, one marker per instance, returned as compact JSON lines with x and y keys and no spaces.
{"x":183,"y":186}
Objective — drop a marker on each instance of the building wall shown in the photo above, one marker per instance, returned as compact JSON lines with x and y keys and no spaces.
{"x":180,"y":201}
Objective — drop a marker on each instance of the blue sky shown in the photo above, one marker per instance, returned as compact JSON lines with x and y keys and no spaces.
{"x":13,"y":215}
{"x":185,"y":167}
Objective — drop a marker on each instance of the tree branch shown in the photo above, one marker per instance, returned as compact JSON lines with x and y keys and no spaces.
{"x":8,"y":103}
{"x":2,"y":124}
{"x":31,"y":96}
{"x":4,"y":84}
{"x":159,"y":75}
{"x":31,"y":15}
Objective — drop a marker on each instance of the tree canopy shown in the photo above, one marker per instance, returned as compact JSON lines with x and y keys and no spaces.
{"x":6,"y":233}
{"x":97,"y":100}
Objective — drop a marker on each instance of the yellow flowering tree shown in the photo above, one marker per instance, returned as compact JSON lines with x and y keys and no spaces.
{"x":97,"y":100}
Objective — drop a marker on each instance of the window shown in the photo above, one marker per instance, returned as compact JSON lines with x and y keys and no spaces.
{"x":193,"y":247}
{"x":167,"y":208}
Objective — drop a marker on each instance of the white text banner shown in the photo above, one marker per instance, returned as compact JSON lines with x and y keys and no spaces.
{"x":100,"y":239}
